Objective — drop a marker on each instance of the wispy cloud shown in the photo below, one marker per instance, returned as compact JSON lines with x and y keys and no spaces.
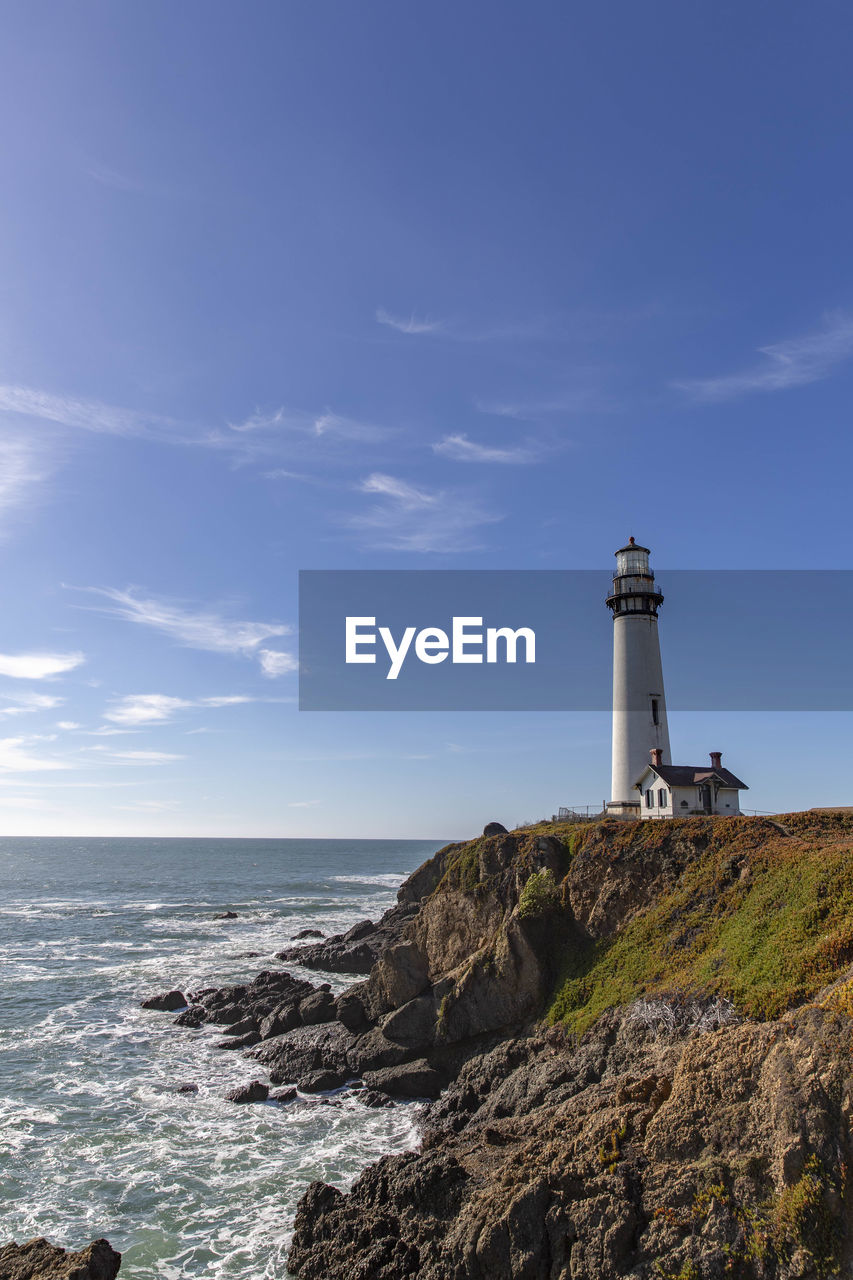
{"x":105,"y":731}
{"x":407,"y":324}
{"x":419,"y":520}
{"x":157,"y":708}
{"x":275,"y":663}
{"x":17,"y":704}
{"x":15,"y":757}
{"x":144,"y":757}
{"x":545,"y":329}
{"x":38,"y":666}
{"x":792,"y":363}
{"x":21,"y":473}
{"x":273,"y":426}
{"x":400,"y":490}
{"x":68,"y":725}
{"x":72,"y":411}
{"x":202,"y":629}
{"x":460,"y":449}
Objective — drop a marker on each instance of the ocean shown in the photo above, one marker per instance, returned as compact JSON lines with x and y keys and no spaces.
{"x":94,"y":1140}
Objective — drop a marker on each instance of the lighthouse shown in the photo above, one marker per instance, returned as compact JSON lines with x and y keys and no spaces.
{"x":639,"y":704}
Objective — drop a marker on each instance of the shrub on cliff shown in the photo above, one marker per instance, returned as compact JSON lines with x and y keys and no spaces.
{"x":540,"y":894}
{"x":760,"y":917}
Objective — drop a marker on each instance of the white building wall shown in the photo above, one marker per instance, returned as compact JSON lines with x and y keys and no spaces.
{"x":637,"y":680}
{"x":683,"y":801}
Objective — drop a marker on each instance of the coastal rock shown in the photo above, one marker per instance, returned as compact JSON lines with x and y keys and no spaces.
{"x":630,"y":1151}
{"x":372,"y":1240}
{"x":225,"y":915}
{"x":40,"y":1260}
{"x":298,"y":1053}
{"x":358,"y":931}
{"x":371,"y":1098}
{"x":186,"y":1088}
{"x":282,"y":1019}
{"x":283,"y":1096}
{"x":318,"y":1007}
{"x":674,"y":1136}
{"x":410,"y":1080}
{"x":193,"y":1016}
{"x":248,"y":1093}
{"x":373,"y":1051}
{"x":166,"y":1002}
{"x":239,"y":1042}
{"x":307,"y":933}
{"x":271,"y":993}
{"x":322,"y":1081}
{"x":350,"y":1011}
{"x":495,"y":829}
{"x":241,"y":1028}
{"x":357,"y":950}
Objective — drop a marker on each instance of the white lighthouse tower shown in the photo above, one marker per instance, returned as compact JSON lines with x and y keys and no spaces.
{"x":639,"y":705}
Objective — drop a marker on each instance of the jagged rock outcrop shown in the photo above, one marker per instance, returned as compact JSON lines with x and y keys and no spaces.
{"x":634,"y":1154}
{"x":690,"y":1133}
{"x":686,"y":1116}
{"x":40,"y":1260}
{"x":357,"y":950}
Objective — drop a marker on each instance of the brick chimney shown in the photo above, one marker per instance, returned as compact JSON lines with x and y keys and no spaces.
{"x":716,"y":757}
{"x":657,"y":757}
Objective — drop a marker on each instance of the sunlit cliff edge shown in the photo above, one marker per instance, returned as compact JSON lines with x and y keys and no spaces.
{"x":646,"y":1031}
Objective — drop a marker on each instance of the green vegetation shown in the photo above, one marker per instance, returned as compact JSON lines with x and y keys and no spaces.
{"x":761,"y":918}
{"x":540,"y":894}
{"x":463,"y":871}
{"x":800,"y":1218}
{"x":804,"y":1219}
{"x":609,"y":1156}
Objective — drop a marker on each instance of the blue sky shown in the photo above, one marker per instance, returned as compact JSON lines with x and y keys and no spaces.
{"x":330,"y":285}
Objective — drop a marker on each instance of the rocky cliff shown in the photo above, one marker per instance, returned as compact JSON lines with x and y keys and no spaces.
{"x":637,"y":1038}
{"x":40,"y":1260}
{"x":646,"y":1030}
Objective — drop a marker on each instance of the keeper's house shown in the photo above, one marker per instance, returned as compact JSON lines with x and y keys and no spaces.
{"x":683,"y":790}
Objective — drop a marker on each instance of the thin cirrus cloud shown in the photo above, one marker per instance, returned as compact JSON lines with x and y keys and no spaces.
{"x":407,"y":324}
{"x":18,"y":704}
{"x":265,"y":434}
{"x":141,"y":757}
{"x":15,"y":757}
{"x":792,"y":363}
{"x":38,"y":666}
{"x":260,"y":436}
{"x":274,"y":663}
{"x":406,"y":518}
{"x":460,"y":449}
{"x":547,"y":329}
{"x":20,"y":475}
{"x":198,"y":629}
{"x":400,"y":490}
{"x":158,"y":708}
{"x":78,"y":412}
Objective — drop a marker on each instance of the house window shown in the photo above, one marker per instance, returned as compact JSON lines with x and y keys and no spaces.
{"x":655,"y":711}
{"x":662,"y":798}
{"x":650,"y":798}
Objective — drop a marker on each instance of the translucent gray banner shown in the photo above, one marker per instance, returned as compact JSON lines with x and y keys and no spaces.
{"x":444,"y":640}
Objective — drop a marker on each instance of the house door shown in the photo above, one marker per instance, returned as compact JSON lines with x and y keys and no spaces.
{"x":705,"y":793}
